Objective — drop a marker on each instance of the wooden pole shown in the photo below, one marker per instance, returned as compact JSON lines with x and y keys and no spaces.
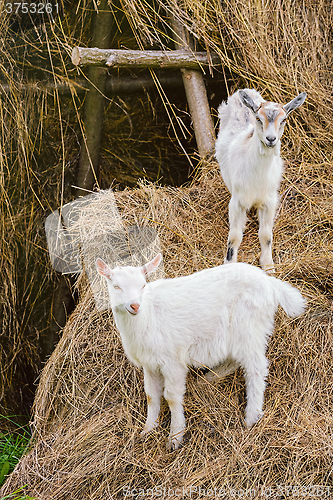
{"x":88,"y":168}
{"x":197,"y":98}
{"x":116,"y":58}
{"x":87,"y":173}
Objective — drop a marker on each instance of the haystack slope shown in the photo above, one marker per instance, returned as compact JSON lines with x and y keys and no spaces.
{"x":90,"y":402}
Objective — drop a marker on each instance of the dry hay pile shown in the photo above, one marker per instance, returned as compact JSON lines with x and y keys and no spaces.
{"x":90,"y":404}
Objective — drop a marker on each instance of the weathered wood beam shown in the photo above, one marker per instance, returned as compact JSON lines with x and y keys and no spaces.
{"x":117,"y":58}
{"x":196,"y":95}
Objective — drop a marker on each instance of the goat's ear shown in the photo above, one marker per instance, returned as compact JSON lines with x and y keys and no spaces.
{"x":295,"y":103}
{"x":248,"y":101}
{"x":152,"y":265}
{"x":103,"y":269}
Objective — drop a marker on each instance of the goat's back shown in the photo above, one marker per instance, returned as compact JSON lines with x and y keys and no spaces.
{"x":234,"y":116}
{"x":207,"y":316}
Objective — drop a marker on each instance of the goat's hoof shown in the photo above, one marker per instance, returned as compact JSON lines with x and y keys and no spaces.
{"x":211,"y":377}
{"x":175,"y":440}
{"x":145,"y":432}
{"x":173,"y":444}
{"x":226,"y":261}
{"x":268,"y":268}
{"x":251,"y":421}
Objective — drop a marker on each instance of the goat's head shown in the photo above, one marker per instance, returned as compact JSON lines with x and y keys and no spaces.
{"x":271,"y":116}
{"x":126,"y":284}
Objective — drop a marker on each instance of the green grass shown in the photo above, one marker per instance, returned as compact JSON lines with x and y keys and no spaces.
{"x":16,"y":496}
{"x":13,"y":445}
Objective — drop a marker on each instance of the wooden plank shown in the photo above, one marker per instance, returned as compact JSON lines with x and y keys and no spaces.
{"x":118,"y":58}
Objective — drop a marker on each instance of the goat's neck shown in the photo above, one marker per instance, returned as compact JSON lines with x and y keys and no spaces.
{"x":131,"y":327}
{"x":132,"y":330}
{"x":124,"y":322}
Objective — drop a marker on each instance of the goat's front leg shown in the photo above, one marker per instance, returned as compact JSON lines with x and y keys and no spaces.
{"x":237,"y":220}
{"x":174,"y":390}
{"x":154,"y":389}
{"x":266,"y":219}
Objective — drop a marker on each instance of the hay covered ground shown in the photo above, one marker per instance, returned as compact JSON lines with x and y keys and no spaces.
{"x":90,"y":404}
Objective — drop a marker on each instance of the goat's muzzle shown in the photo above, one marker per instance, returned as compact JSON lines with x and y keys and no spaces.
{"x":270,"y":142}
{"x":133,"y":308}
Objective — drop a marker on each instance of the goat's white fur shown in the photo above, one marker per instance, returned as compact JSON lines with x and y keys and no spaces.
{"x":218,"y":318}
{"x":248,"y":153}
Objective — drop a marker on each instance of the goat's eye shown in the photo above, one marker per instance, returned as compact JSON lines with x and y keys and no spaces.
{"x":143,"y":287}
{"x":258,"y":119}
{"x":116,"y":287}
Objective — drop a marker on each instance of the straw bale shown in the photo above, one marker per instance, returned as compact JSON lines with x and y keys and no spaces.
{"x":90,"y":403}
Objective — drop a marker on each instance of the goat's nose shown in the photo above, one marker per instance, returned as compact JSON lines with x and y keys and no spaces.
{"x":135,"y":306}
{"x":271,"y":139}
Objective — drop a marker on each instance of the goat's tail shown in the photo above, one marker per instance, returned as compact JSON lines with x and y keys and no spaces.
{"x":289,"y":298}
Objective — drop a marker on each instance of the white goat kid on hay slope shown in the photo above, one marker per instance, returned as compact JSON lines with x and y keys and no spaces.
{"x":218,"y":318}
{"x":248,"y":153}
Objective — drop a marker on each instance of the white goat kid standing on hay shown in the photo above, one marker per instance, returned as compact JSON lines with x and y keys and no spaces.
{"x":248,"y":153}
{"x":218,"y":318}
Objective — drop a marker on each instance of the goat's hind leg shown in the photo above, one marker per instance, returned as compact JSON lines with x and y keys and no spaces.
{"x":255,"y":371}
{"x":266,"y":219}
{"x":237,"y":221}
{"x":154,"y":388}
